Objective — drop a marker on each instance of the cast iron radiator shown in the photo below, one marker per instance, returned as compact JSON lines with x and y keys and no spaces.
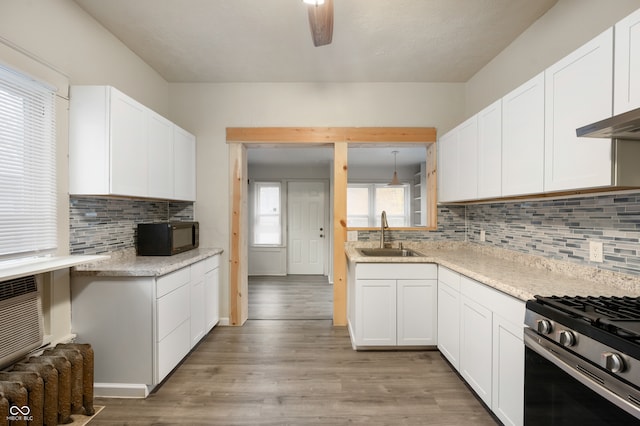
{"x":47,"y":389}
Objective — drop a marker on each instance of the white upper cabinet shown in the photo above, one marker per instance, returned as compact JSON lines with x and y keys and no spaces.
{"x":185,"y":164}
{"x":578,"y":92}
{"x":447,"y":176}
{"x":458,"y":162}
{"x":128,"y":144}
{"x":523,"y":139}
{"x":161,"y":157}
{"x":467,"y":162}
{"x":626,"y":94}
{"x":490,"y":151}
{"x":117,"y":146}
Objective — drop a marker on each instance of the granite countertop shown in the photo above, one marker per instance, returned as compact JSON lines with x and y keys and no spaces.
{"x":125,"y":263}
{"x":516,"y":274}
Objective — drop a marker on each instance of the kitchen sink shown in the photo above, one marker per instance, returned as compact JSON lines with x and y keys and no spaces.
{"x":388,"y":252}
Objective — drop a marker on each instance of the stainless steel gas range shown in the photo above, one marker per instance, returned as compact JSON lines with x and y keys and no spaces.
{"x":582,"y":361}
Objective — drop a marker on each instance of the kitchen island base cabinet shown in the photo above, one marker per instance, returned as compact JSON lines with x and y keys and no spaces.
{"x":392,"y":305}
{"x":142,"y":327}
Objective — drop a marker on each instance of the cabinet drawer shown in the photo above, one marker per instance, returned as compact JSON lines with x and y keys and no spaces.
{"x":506,"y":306}
{"x":211,"y":263}
{"x":167,"y":283}
{"x":447,"y":276}
{"x":172,"y":349}
{"x":397,"y":271}
{"x":173,"y":309}
{"x":197,"y":271}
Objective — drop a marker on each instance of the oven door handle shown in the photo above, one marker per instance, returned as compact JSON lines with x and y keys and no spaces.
{"x":589,"y":376}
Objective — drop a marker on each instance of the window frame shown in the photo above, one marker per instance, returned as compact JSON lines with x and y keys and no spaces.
{"x":255,"y":187}
{"x":373,"y":217}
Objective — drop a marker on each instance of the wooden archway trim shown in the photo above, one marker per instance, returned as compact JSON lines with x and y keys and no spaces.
{"x":340,"y":137}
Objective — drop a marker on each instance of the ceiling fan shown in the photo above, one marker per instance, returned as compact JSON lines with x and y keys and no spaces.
{"x":320,"y":21}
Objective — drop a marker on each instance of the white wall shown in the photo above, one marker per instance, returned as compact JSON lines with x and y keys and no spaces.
{"x":61,"y":35}
{"x":207,"y":109}
{"x":564,"y":28}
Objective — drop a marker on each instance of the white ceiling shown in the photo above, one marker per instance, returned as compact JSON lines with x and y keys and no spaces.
{"x":270,"y":40}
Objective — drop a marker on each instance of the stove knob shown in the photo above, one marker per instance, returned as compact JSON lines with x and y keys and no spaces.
{"x":544,"y":326}
{"x":567,"y":338}
{"x":612,"y":362}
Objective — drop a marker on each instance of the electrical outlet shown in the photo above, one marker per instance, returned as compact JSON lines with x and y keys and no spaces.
{"x":595,"y":251}
{"x":483,"y":236}
{"x":352,"y":235}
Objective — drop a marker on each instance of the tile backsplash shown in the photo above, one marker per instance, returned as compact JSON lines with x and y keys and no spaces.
{"x":562,"y":228}
{"x":103,"y":225}
{"x":554,"y":228}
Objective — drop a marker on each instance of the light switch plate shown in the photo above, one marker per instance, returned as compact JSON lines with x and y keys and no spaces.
{"x":352,"y":235}
{"x":483,"y":235}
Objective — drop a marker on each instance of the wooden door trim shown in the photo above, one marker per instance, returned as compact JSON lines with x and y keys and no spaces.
{"x":239,"y":138}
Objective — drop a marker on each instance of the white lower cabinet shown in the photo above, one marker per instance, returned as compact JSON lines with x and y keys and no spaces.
{"x":508,"y":371}
{"x":484,"y":343}
{"x":140,"y":328}
{"x":449,"y":315}
{"x":391,"y":304}
{"x":475,"y":347}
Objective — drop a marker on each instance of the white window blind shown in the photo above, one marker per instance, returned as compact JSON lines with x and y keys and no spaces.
{"x":27,"y":166}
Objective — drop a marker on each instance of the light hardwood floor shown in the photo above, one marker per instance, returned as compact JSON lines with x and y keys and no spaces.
{"x":290,"y":297}
{"x":299,"y":372}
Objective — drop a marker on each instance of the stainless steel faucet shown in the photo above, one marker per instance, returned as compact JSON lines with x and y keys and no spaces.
{"x":383,"y":224}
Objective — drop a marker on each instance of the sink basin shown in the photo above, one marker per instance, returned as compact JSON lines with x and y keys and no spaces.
{"x":388,"y":252}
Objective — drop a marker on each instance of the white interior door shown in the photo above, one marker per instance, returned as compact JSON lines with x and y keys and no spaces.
{"x":307,"y":229}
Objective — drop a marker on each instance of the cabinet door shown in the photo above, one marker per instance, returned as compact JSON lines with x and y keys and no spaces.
{"x":211,"y":307}
{"x":490,"y":151}
{"x":416,"y":312}
{"x":523,"y":139}
{"x":128,"y":146}
{"x":197,"y":302}
{"x":449,"y":323}
{"x":476,"y":347}
{"x":160,"y":170}
{"x":376,"y":312}
{"x":508,"y":372}
{"x":626,"y":95}
{"x":185,"y":165}
{"x":197,"y":311}
{"x":578,"y":92}
{"x":467,"y":160}
{"x":447,"y":172}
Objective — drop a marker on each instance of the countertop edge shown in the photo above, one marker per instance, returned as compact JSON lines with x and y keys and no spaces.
{"x":129,"y":265}
{"x":518,"y":275}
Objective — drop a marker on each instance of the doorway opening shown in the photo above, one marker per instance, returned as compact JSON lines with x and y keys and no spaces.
{"x":289,"y":222}
{"x":339,"y":138}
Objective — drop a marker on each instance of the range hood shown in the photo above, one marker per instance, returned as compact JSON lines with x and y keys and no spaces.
{"x":621,"y":126}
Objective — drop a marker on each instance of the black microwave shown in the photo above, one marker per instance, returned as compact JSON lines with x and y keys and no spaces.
{"x":166,"y":238}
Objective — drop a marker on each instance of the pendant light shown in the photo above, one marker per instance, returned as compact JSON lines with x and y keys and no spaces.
{"x":395,"y":181}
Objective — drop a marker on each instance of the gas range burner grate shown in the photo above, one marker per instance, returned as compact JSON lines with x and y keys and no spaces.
{"x":619,"y":315}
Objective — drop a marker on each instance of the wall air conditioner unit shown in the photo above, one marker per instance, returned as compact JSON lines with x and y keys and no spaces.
{"x":21,"y":321}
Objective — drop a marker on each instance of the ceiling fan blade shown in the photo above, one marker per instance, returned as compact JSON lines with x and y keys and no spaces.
{"x":321,"y":23}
